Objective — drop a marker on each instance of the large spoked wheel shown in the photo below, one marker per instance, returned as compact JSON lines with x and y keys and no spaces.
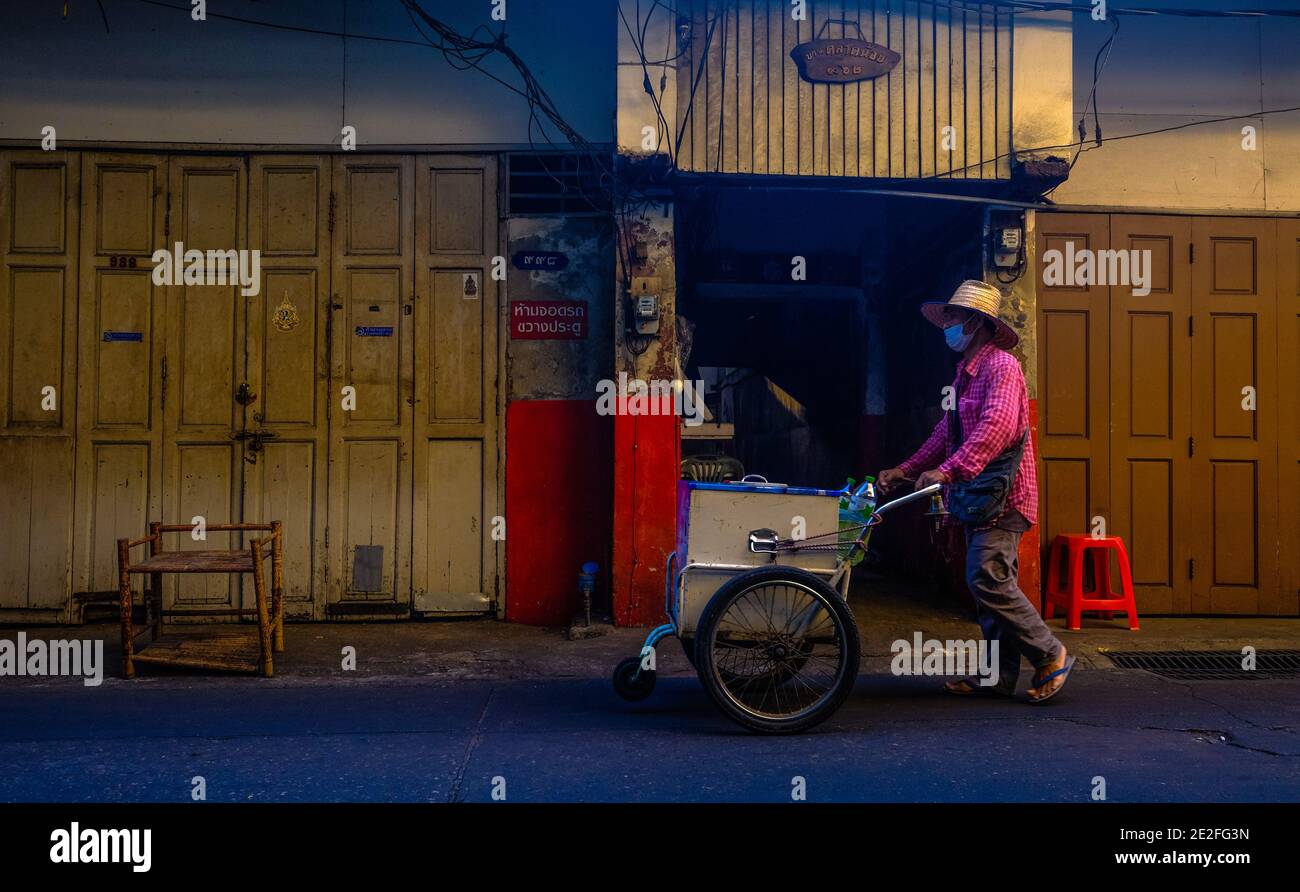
{"x":777,"y":649}
{"x":688,"y":647}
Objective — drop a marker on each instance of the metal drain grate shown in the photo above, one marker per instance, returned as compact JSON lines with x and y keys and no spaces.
{"x":1209,"y":665}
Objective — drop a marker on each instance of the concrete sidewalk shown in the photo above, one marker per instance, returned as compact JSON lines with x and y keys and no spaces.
{"x":491,"y":650}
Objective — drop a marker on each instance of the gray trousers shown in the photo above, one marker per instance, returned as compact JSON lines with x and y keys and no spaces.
{"x":1005,"y":614}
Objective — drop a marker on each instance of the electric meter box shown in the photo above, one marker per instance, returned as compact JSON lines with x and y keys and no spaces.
{"x":714,"y":521}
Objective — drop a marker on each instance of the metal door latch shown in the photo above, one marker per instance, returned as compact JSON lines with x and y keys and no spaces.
{"x":255,"y":440}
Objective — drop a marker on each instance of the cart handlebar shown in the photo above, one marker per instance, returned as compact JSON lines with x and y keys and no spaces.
{"x":910,"y":497}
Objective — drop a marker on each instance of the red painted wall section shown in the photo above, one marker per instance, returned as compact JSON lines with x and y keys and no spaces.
{"x":647,"y":465}
{"x":558,"y":506}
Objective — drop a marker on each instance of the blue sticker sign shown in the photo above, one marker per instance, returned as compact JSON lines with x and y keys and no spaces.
{"x":544,"y":260}
{"x":124,"y":336}
{"x":374,"y":331}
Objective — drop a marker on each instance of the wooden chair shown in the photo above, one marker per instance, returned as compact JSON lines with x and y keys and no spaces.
{"x":221,"y":647}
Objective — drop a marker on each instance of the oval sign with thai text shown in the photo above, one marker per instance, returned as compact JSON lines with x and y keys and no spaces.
{"x":842,"y":60}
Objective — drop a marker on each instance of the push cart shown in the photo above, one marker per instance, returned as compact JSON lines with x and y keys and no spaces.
{"x":764,"y":619}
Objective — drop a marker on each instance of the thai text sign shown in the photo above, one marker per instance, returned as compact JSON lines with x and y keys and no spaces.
{"x":842,"y":60}
{"x":544,"y":260}
{"x":554,"y":320}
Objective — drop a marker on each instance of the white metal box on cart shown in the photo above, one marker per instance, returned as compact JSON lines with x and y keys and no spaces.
{"x":714,"y":521}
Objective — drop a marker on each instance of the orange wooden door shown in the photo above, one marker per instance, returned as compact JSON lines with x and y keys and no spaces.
{"x":1288,"y":416}
{"x":1073,"y":381}
{"x":1234,"y":511}
{"x":1151,"y":406}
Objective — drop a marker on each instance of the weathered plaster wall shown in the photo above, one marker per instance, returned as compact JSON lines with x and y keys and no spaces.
{"x":1042,"y":81}
{"x":1019,"y":308}
{"x":563,"y":369}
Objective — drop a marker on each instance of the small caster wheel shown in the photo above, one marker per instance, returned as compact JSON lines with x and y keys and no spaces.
{"x":631,"y":685}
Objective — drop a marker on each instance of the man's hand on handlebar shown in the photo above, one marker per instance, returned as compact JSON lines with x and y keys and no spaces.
{"x":929,"y":478}
{"x":889,"y":478}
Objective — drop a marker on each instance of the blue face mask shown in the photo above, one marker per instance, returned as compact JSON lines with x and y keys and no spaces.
{"x":955,"y":336}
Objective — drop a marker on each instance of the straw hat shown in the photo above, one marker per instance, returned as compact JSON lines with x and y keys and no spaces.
{"x":981,"y":297}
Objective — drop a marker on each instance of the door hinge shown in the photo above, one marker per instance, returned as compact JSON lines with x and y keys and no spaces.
{"x":1191,"y":252}
{"x":331,"y":211}
{"x":1191,"y":326}
{"x":1191,"y":446}
{"x":164,"y":383}
{"x":1191,"y":568}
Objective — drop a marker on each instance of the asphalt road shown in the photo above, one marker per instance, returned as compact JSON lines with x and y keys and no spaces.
{"x":411,"y":739}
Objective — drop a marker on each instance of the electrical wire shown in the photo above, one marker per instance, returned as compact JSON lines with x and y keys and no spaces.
{"x":67,"y":6}
{"x":1022,"y":151}
{"x":1092,"y":94}
{"x":1084,"y":7}
{"x":469,"y":52}
{"x":462,"y":53}
{"x":662,"y":127}
{"x":1092,"y":101}
{"x":465,"y":52}
{"x":321,"y":32}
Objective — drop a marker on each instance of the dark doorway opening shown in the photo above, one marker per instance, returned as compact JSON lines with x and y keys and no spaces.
{"x":798,"y":310}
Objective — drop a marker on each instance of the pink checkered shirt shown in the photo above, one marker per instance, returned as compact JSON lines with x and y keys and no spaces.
{"x":993,"y":403}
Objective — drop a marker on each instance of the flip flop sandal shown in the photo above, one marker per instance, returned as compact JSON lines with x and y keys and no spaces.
{"x":1063,"y":673}
{"x":977,"y":689}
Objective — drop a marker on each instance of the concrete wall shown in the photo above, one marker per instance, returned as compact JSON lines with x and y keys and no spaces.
{"x":159,"y":76}
{"x":1166,"y":71}
{"x":563,"y":369}
{"x":1042,"y":80}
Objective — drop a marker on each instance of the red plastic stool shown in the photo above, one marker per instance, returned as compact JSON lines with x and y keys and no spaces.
{"x":1076,"y":547}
